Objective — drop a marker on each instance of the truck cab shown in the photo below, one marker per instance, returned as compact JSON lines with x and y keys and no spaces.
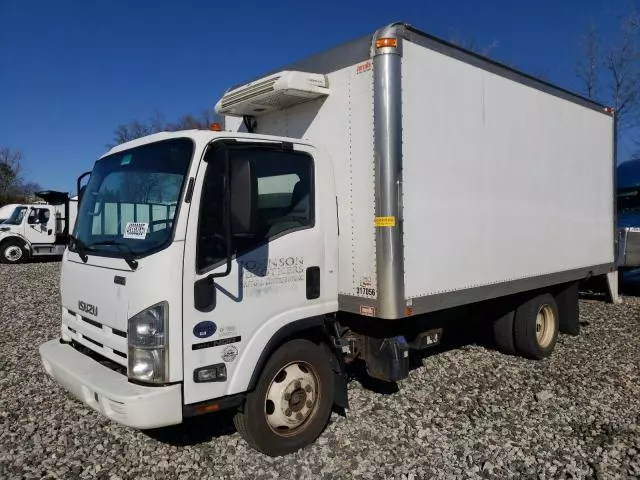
{"x":192,"y":252}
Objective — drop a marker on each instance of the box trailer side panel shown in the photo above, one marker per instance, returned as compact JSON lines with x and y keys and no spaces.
{"x":501,"y":181}
{"x":342,"y":124}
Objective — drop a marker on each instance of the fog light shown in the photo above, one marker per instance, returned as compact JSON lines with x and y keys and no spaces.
{"x":211,"y":373}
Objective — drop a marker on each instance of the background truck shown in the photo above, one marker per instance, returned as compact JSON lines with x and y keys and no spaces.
{"x":356,"y":202}
{"x":628,"y":193}
{"x":40,"y":229}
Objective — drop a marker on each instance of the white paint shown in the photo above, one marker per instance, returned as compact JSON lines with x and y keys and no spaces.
{"x":255,"y":302}
{"x":500,"y":181}
{"x":342,"y":124}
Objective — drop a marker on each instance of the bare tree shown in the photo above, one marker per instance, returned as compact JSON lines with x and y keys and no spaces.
{"x":10,"y":171}
{"x":136,"y":129}
{"x":588,"y":67}
{"x":612,"y":71}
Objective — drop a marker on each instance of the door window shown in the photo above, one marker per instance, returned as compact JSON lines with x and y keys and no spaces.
{"x":285,"y":201}
{"x":38,"y":216}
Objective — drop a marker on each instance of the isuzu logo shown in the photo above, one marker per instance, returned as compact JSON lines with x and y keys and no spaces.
{"x":88,"y":308}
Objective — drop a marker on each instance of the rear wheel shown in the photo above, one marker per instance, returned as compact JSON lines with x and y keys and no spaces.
{"x":536,"y":327}
{"x":503,"y":333}
{"x":292,"y":401}
{"x":12,"y":251}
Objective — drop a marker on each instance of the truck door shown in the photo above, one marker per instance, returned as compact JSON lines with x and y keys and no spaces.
{"x":276,"y":276}
{"x":40,"y":226}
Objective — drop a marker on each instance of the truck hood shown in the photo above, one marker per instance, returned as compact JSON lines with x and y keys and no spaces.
{"x":98,"y":298}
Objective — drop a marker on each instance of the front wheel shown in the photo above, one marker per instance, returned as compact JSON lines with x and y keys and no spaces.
{"x":12,"y":251}
{"x":291,"y":403}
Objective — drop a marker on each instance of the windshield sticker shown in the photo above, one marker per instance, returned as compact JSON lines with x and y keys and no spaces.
{"x":136,"y":230}
{"x":126,"y":160}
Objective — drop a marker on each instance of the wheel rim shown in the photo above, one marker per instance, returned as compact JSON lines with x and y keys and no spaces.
{"x":13,"y":253}
{"x":292,"y":398}
{"x":545,"y":325}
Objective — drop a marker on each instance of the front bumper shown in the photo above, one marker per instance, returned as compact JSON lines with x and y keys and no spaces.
{"x":629,"y":247}
{"x":109,"y":392}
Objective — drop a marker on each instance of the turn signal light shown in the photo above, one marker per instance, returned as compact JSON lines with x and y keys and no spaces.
{"x":216,"y":127}
{"x":386,"y":43}
{"x":208,"y":409}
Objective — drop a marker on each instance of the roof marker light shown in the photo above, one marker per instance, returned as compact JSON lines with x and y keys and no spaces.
{"x":387,"y":43}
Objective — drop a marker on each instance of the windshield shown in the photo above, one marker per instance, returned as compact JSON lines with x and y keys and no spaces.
{"x":131,"y":199}
{"x":16,"y":217}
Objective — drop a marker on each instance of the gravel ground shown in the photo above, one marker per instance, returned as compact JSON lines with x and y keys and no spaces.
{"x":469,"y":412}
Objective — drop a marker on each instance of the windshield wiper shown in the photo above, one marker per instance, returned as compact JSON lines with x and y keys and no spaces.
{"x":128,"y":252}
{"x":81,"y":248}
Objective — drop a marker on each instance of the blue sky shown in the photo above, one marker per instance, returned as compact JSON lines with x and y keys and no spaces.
{"x":72,"y":71}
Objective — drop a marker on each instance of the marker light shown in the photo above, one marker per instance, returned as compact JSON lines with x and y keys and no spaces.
{"x":386,"y":43}
{"x":216,"y":127}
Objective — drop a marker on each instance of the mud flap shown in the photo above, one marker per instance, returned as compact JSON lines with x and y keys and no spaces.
{"x":387,"y":359}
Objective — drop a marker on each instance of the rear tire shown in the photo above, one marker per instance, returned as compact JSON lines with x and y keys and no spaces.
{"x":536,"y":327}
{"x":503,"y":333}
{"x":291,"y":404}
{"x":12,"y":251}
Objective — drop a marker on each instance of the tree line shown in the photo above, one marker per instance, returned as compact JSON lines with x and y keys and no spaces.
{"x":14,"y":188}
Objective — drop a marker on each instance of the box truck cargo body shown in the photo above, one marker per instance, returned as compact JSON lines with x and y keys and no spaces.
{"x":353,"y":203}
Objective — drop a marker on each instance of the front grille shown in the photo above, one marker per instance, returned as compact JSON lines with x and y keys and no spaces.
{"x":120,"y":333}
{"x":91,"y":322}
{"x":99,"y":358}
{"x":104,"y":340}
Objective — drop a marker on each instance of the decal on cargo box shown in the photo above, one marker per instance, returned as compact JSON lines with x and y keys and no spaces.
{"x":364,"y":67}
{"x":385,"y":221}
{"x":366,"y":288}
{"x":136,"y":230}
{"x":230,"y":353}
{"x":367,"y":310}
{"x":204,"y":329}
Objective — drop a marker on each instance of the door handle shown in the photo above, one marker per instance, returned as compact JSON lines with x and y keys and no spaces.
{"x":313,"y":283}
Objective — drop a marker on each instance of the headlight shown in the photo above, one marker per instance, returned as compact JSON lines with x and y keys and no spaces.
{"x":148,"y":344}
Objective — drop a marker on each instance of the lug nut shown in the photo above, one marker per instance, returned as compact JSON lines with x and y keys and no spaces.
{"x":307,"y":389}
{"x":288,"y":412}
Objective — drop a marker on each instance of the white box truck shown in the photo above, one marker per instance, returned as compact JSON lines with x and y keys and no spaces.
{"x":38,"y":229}
{"x":353,"y":203}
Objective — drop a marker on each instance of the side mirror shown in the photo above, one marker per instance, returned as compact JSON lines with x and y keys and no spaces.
{"x":82,"y":188}
{"x":243,"y":206}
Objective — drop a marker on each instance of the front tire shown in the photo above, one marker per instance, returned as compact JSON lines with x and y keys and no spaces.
{"x":536,"y":327}
{"x":12,"y":251}
{"x":291,"y":404}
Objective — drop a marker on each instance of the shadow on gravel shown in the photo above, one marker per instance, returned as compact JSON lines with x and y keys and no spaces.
{"x":195,"y":430}
{"x":46,"y":259}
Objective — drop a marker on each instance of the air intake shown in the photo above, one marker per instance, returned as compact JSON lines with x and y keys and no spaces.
{"x":275,"y":92}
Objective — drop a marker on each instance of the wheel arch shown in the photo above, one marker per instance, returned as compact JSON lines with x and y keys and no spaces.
{"x":315,"y":330}
{"x":26,"y":245}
